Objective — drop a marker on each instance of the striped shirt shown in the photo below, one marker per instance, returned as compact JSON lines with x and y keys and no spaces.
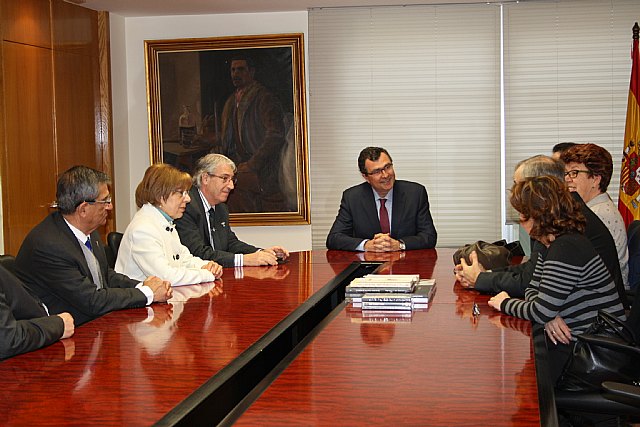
{"x":571,"y":281}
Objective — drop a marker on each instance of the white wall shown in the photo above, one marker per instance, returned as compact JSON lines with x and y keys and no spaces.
{"x":130,"y":116}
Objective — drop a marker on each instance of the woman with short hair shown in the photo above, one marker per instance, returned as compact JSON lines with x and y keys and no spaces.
{"x":150,"y":244}
{"x":588,"y":169}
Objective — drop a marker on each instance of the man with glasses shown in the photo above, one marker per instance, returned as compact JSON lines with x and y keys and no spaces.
{"x":62,"y":259}
{"x":204,"y":227}
{"x":515,"y":279}
{"x":382,"y":214}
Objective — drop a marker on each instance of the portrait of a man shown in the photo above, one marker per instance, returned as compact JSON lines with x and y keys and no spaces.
{"x":254,"y":137}
{"x":243,"y":103}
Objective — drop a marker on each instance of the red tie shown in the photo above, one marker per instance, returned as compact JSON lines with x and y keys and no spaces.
{"x":384,"y":218}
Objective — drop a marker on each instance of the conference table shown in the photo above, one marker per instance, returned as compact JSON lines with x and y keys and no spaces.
{"x":278,"y":346}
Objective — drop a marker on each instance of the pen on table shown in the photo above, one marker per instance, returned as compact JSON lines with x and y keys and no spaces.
{"x":476,"y":309}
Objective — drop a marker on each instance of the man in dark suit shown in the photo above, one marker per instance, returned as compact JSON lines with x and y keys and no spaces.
{"x":515,"y":279}
{"x":62,"y":259}
{"x":204,"y":227}
{"x":382,"y":214}
{"x":24,"y":323}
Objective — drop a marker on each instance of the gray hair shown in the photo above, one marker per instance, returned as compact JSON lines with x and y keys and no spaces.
{"x":76,"y":185}
{"x":209,"y":164}
{"x":541,"y":165}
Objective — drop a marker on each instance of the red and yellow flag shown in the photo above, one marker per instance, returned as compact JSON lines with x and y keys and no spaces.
{"x":629,"y":201}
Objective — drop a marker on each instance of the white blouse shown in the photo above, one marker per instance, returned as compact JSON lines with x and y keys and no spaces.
{"x":151,"y":247}
{"x":603,"y":206}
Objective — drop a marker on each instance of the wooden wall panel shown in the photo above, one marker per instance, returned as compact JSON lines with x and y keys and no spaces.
{"x":29,"y":168}
{"x":76,"y":84}
{"x":104,"y":143}
{"x":74,"y":28}
{"x":54,"y":105}
{"x":26,"y":21}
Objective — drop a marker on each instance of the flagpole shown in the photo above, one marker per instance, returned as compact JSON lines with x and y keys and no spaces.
{"x":629,"y":200}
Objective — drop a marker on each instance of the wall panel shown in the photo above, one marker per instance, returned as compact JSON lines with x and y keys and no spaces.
{"x":26,"y":21}
{"x":52,"y":105}
{"x":29,"y":166}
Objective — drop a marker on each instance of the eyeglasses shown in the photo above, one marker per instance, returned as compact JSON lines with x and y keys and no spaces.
{"x":225,"y":179}
{"x":183,"y":193}
{"x":574,"y":173}
{"x":387,"y":168}
{"x":104,"y":202}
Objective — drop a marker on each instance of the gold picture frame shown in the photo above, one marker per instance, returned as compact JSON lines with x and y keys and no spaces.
{"x":257,"y":117}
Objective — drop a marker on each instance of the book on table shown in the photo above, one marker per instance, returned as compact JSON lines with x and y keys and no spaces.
{"x":419,"y":298}
{"x":381,"y":283}
{"x":422,"y":293}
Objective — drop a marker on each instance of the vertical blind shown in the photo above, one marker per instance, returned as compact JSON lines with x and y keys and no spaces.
{"x":423,"y":82}
{"x":567,"y":71}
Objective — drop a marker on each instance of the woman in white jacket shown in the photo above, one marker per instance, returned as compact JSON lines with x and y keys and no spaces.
{"x":151,"y":245}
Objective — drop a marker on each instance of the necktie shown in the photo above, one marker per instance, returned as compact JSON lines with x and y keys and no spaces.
{"x":92,"y":262}
{"x":384,"y":217}
{"x":212,"y":228}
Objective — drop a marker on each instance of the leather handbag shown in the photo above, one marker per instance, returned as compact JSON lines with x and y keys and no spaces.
{"x":607,"y":351}
{"x":490,"y":255}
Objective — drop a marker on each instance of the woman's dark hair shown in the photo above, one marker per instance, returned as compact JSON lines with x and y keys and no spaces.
{"x":597,"y":160}
{"x":547,"y":200}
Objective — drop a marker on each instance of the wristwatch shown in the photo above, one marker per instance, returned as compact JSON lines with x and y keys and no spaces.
{"x":403,"y":247}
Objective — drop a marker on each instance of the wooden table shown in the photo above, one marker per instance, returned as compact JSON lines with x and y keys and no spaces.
{"x":442,"y":366}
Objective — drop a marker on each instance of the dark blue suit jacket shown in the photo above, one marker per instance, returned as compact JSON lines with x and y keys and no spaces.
{"x":357,"y":218}
{"x":194,"y":233}
{"x":52,"y":265}
{"x":24,"y":324}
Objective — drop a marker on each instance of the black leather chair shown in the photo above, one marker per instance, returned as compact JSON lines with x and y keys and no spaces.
{"x":111,"y":259}
{"x":8,"y":262}
{"x":633,"y":243}
{"x":113,"y":244}
{"x":606,"y":402}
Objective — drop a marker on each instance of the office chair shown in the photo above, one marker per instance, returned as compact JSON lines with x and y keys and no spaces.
{"x":8,"y":262}
{"x":633,"y":244}
{"x":612,"y":400}
{"x":111,"y":259}
{"x":113,"y":243}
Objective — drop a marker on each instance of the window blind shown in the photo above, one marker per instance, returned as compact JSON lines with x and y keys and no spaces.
{"x":423,"y":82}
{"x":567,"y":70}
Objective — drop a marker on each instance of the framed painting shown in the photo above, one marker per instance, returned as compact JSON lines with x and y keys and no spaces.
{"x":243,"y":97}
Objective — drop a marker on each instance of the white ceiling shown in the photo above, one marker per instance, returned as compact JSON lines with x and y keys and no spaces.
{"x":202,"y":7}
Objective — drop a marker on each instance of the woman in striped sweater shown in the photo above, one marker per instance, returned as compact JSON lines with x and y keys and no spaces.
{"x":570,"y":280}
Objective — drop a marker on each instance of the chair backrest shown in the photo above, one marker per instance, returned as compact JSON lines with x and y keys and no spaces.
{"x":113,"y":240}
{"x":633,"y":243}
{"x":8,"y":262}
{"x":113,"y":243}
{"x":633,"y":320}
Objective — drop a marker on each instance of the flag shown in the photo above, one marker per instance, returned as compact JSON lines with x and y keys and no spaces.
{"x":629,"y":200}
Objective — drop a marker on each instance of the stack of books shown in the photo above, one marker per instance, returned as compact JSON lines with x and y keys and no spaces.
{"x":393,"y":292}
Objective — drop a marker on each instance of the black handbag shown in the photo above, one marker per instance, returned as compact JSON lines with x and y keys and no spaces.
{"x":607,"y":351}
{"x":490,"y":255}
